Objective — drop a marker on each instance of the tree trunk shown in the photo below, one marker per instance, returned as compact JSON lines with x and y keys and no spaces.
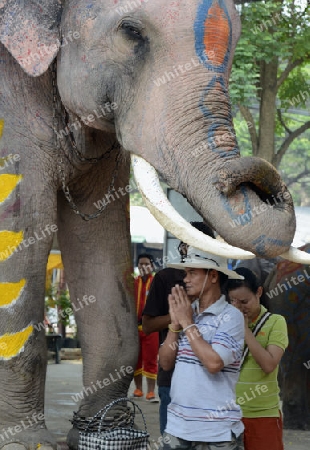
{"x":266,"y":146}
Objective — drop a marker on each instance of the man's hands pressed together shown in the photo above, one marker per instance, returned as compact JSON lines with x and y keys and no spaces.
{"x":181,"y":314}
{"x":180,"y":309}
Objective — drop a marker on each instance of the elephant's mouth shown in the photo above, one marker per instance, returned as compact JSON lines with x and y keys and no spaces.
{"x":159,"y":205}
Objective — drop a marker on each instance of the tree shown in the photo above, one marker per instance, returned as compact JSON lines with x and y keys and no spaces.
{"x":269,"y":77}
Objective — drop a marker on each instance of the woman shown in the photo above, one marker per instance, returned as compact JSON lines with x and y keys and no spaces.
{"x":257,"y":389}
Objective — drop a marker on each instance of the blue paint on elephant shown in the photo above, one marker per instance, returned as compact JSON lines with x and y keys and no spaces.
{"x":202,"y":102}
{"x":199,"y":28}
{"x":247,"y":214}
{"x":206,"y":111}
{"x":214,"y":141}
{"x":262,"y":241}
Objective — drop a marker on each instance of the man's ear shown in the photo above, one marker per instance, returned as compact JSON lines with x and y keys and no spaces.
{"x":29,"y":31}
{"x":213,"y":275}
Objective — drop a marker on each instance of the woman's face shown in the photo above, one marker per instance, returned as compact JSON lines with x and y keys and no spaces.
{"x":246,"y":301}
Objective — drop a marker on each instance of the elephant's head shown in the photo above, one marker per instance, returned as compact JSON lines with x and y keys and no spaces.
{"x":165,"y":66}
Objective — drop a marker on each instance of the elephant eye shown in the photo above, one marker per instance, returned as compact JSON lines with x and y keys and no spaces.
{"x":132,"y":30}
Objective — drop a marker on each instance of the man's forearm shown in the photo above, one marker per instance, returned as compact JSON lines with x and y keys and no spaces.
{"x":204,"y":351}
{"x":168,"y":351}
{"x":151,"y":324}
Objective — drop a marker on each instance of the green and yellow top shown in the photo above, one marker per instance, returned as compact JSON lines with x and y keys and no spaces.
{"x":258,"y":392}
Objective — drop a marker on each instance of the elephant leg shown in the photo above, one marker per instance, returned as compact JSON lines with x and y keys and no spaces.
{"x":28,"y":224}
{"x":98,"y":270}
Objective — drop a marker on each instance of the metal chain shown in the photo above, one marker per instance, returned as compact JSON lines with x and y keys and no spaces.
{"x":68,"y":196}
{"x":56,"y":122}
{"x":82,"y":158}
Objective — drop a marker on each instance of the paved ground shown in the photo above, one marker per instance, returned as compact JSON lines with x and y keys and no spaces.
{"x":64,"y":381}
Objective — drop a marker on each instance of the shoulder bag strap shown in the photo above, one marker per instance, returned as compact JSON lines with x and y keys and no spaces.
{"x":255,"y":331}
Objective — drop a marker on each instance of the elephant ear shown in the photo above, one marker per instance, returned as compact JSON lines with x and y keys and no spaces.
{"x":29,"y":31}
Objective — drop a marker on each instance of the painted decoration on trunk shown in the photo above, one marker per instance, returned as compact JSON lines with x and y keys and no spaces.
{"x":11,"y":344}
{"x":10,"y":293}
{"x":1,"y":127}
{"x":221,"y":138}
{"x":213,"y":35}
{"x":263,"y":242}
{"x":238,"y":206}
{"x":213,"y":42}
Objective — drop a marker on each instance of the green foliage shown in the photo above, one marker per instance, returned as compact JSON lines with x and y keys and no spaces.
{"x":279,"y":29}
{"x":276,"y":33}
{"x":64,"y":304}
{"x":295,"y":92}
{"x":242,"y":134}
{"x":295,"y":162}
{"x":61,"y":300}
{"x":136,"y":199}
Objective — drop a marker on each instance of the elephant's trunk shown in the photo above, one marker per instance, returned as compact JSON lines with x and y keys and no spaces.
{"x":243,"y":199}
{"x":250,"y":206}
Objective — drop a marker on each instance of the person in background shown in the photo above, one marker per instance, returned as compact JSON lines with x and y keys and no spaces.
{"x":156,"y":317}
{"x":204,"y":344}
{"x":148,"y":344}
{"x":266,"y":339}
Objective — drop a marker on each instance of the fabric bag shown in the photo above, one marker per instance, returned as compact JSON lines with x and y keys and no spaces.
{"x":117,"y":438}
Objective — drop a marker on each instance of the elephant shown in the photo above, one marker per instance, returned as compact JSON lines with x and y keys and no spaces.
{"x":85,"y":86}
{"x":287,"y":292}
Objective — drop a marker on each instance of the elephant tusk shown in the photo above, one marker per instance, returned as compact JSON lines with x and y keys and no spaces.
{"x":295,"y":255}
{"x":159,"y":205}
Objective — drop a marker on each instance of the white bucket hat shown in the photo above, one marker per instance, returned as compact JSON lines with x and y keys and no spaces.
{"x":197,"y":259}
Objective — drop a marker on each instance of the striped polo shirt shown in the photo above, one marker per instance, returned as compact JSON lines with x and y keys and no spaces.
{"x":203,"y":405}
{"x":257,"y":391}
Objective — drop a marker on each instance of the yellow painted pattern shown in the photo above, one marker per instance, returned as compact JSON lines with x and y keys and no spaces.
{"x":9,"y":241}
{"x":3,"y":161}
{"x":7,"y":184}
{"x":1,"y":127}
{"x":12,"y":344}
{"x":9,"y":292}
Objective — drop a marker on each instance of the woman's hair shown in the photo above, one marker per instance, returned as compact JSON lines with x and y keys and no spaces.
{"x":250,"y":280}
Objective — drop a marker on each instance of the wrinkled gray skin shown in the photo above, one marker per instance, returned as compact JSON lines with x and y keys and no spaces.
{"x":260,"y":266}
{"x":116,"y":59}
{"x":294,"y":304}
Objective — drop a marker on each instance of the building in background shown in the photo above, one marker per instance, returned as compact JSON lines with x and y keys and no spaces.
{"x":147,"y":235}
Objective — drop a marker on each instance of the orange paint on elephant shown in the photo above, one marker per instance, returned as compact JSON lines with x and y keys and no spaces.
{"x":216,"y":35}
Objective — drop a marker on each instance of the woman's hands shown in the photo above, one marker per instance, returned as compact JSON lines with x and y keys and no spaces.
{"x":180,"y":308}
{"x":246,"y":322}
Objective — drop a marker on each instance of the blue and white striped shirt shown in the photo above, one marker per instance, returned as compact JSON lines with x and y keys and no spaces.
{"x":203,"y":405}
